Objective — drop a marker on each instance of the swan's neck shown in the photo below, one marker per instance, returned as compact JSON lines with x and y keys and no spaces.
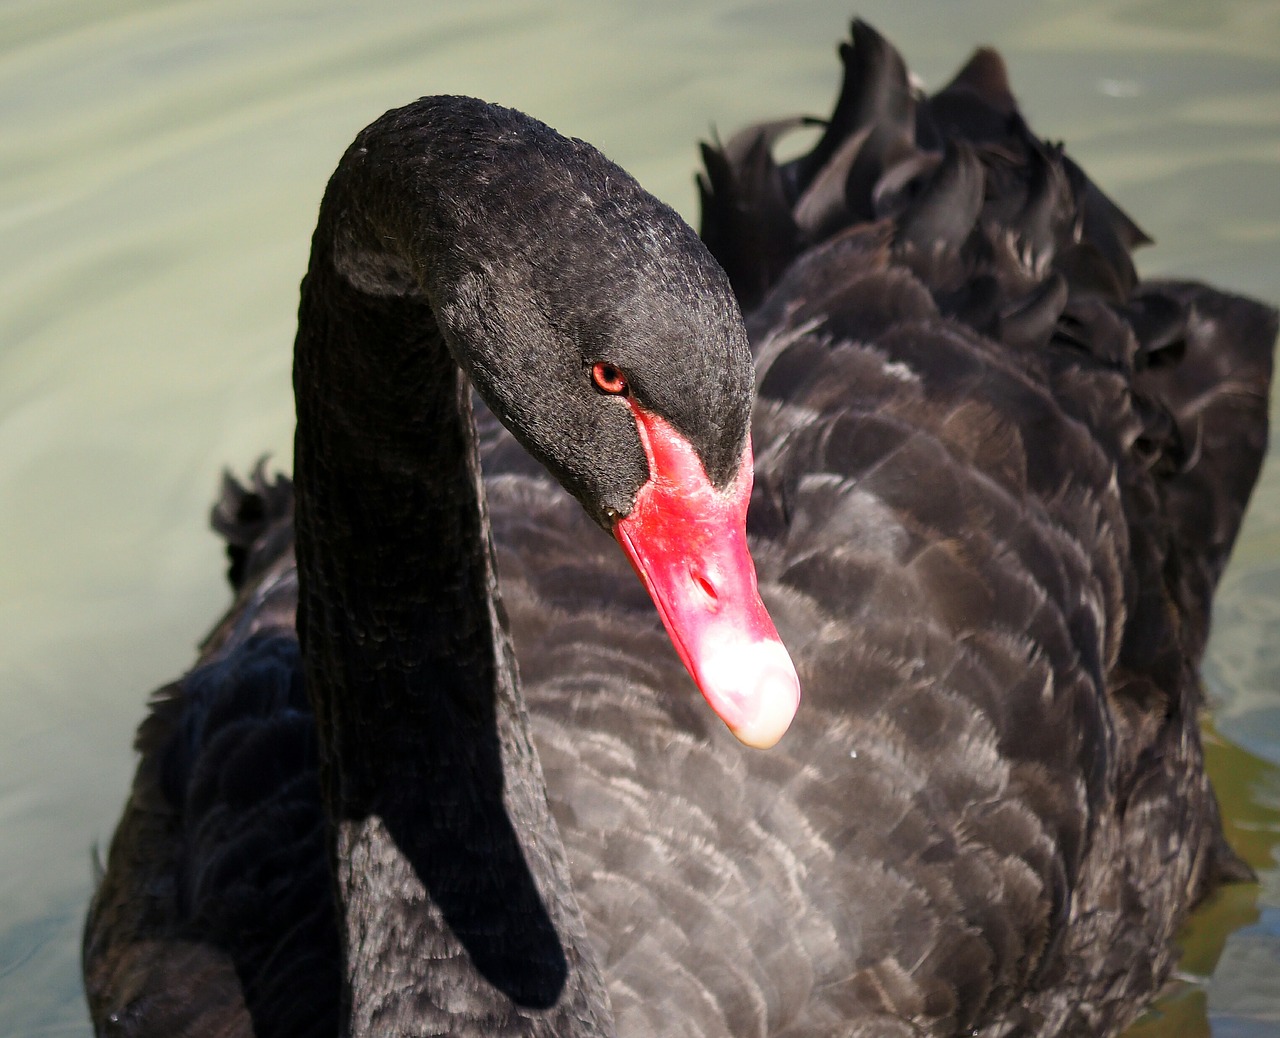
{"x":456,"y":908}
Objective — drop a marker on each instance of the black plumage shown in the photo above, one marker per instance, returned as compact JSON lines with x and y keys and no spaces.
{"x":997,"y":479}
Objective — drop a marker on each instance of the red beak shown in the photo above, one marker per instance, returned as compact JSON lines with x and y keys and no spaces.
{"x":688,"y":542}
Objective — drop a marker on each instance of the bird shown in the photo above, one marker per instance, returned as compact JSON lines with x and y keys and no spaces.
{"x":989,"y":479}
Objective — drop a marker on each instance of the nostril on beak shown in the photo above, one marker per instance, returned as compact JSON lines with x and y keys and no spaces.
{"x":705,"y":585}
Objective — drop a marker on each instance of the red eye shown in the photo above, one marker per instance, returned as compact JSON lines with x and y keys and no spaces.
{"x":608,"y":379}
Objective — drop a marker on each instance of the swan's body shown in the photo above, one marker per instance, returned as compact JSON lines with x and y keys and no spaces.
{"x":996,"y":482}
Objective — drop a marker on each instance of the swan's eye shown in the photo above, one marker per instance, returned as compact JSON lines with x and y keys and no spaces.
{"x":608,"y":379}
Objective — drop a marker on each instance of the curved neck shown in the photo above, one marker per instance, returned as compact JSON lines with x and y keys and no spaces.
{"x":456,"y":907}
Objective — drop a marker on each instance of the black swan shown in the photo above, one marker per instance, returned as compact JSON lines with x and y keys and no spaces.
{"x":996,"y":480}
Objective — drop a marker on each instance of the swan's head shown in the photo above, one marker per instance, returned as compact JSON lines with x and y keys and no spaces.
{"x":599,"y":329}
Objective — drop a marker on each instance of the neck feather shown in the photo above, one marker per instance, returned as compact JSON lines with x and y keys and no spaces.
{"x":454,"y":892}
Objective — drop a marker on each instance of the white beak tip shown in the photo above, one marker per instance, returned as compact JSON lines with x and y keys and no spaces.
{"x":764,"y":711}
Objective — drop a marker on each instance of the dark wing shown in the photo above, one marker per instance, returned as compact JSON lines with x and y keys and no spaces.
{"x":997,"y":477}
{"x":215,"y":913}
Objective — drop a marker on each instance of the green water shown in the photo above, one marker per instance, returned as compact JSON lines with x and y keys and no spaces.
{"x":160,"y":166}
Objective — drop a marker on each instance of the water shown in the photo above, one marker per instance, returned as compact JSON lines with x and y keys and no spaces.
{"x":160,"y":166}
